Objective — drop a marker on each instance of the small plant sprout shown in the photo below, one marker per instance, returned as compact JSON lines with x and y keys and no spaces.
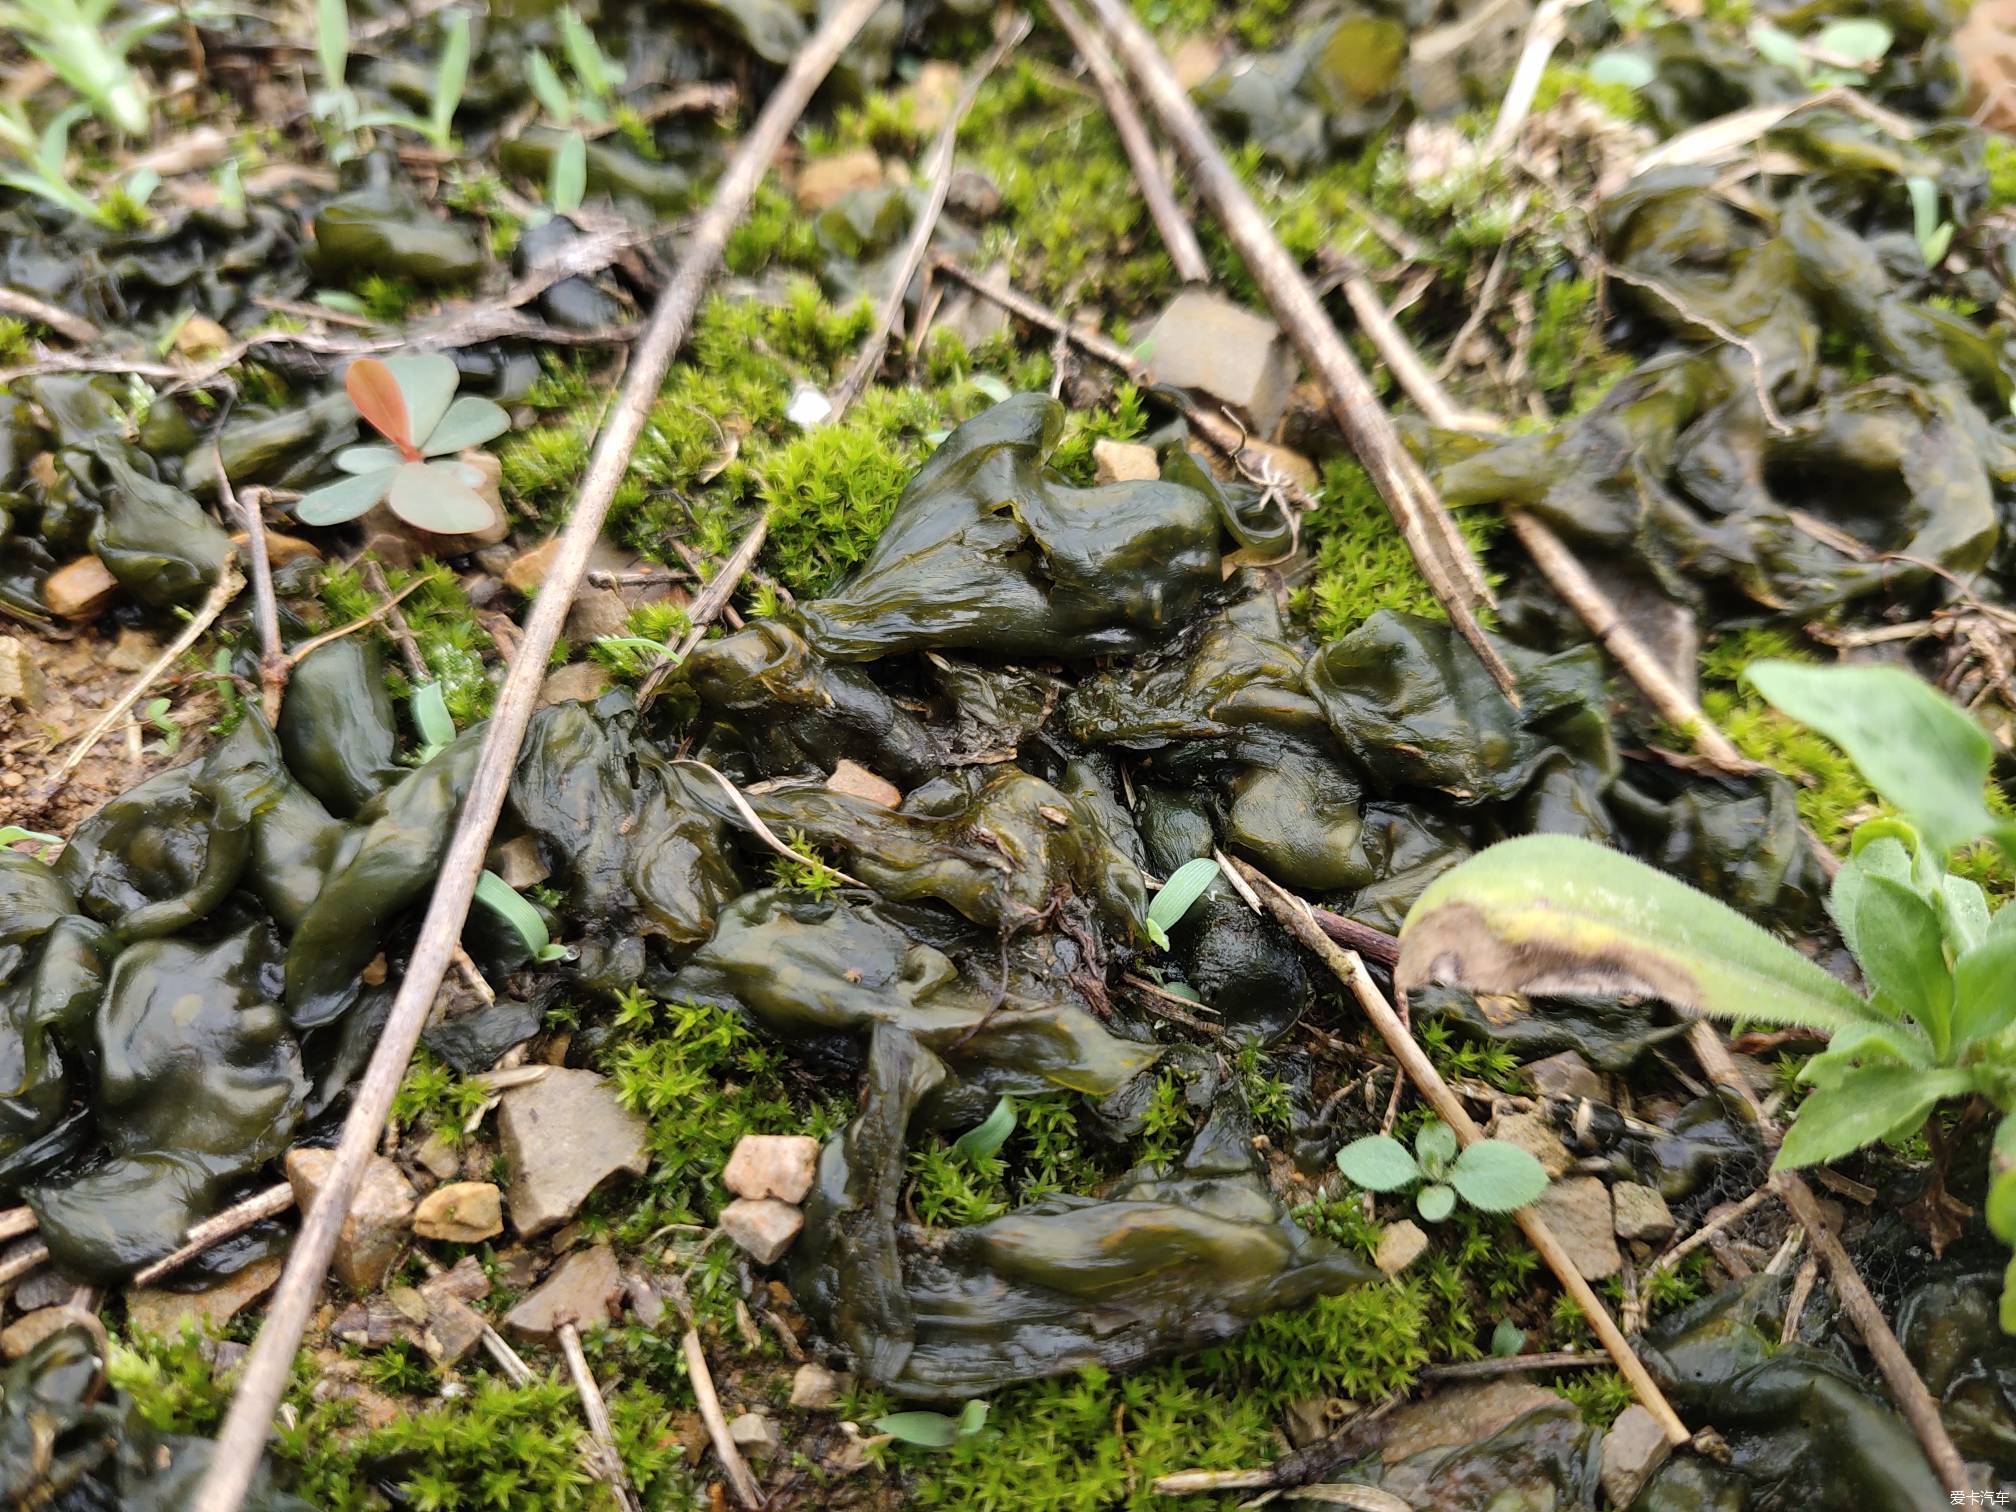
{"x":336,"y":103}
{"x":1178,"y":896}
{"x":431,"y":718}
{"x":597,"y":77}
{"x":1933,"y":234}
{"x":407,"y":400}
{"x":499,"y":896}
{"x":986,"y":1137}
{"x":12,"y":835}
{"x":934,"y":1430}
{"x":78,"y":42}
{"x":1491,"y":1176}
{"x":44,"y":156}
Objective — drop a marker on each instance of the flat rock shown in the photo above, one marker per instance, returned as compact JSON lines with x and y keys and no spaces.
{"x":374,"y":1232}
{"x":1124,"y":462}
{"x":1466,"y":1414}
{"x":755,"y":1435}
{"x":1578,"y":1211}
{"x":762,"y":1226}
{"x":435,"y":1315}
{"x":852,"y":778}
{"x":816,"y":1389}
{"x":577,"y":682}
{"x":1641,"y":1213}
{"x":1634,"y":1447}
{"x":518,"y":862}
{"x":79,"y":590}
{"x":21,"y":681}
{"x":564,"y":1136}
{"x":583,"y":1289}
{"x":462,"y":1212}
{"x":42,"y":1288}
{"x":1566,"y":1075}
{"x":772,"y":1165}
{"x":164,"y":1312}
{"x":1400,"y":1246}
{"x":826,"y":181}
{"x":1533,"y":1133}
{"x":1204,"y":341}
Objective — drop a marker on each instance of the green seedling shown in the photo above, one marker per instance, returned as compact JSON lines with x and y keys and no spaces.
{"x":82,"y":46}
{"x":42,"y":169}
{"x":596,"y":78}
{"x":337,"y":104}
{"x":934,"y":1430}
{"x":1935,"y":1022}
{"x":1933,"y":234}
{"x":407,"y":400}
{"x":1491,"y":1176}
{"x":1178,"y":896}
{"x":499,"y":896}
{"x":986,"y":1137}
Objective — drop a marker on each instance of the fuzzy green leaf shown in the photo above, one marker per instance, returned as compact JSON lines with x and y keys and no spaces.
{"x":1496,"y":1177}
{"x":987,"y":1136}
{"x":1864,"y":1106}
{"x":1379,"y":1163}
{"x":1185,"y":886}
{"x":926,"y":1430}
{"x":1561,"y":912}
{"x":1435,"y":1145}
{"x":345,"y":499}
{"x":1884,"y":856}
{"x":1903,"y":954}
{"x":1984,"y":990}
{"x":1435,"y":1202}
{"x":470,"y":421}
{"x":1966,"y":920}
{"x":1913,"y":745}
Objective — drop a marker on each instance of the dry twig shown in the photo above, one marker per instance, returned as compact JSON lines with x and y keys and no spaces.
{"x":61,"y":321}
{"x":266,"y":1371}
{"x":234,"y":1220}
{"x":736,"y":1468}
{"x":600,"y":1429}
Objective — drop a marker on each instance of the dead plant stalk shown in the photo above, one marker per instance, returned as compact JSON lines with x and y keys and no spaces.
{"x":1294,"y":915}
{"x":267,"y":1368}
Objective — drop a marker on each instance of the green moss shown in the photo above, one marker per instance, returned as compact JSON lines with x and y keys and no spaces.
{"x":2001,"y":164}
{"x":1562,"y":79}
{"x":444,"y":629}
{"x":1361,"y":563}
{"x":1599,"y":1395}
{"x":432,"y":1097}
{"x":1569,"y":362}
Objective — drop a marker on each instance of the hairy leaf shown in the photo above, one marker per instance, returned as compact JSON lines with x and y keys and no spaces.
{"x":1435,"y":1145}
{"x":1551,"y":913}
{"x":1435,"y":1202}
{"x":1912,"y":744}
{"x":1903,"y":954}
{"x":1884,"y":857}
{"x":1984,"y":990}
{"x":1378,"y":1163}
{"x":1863,"y":1107}
{"x":1496,"y":1177}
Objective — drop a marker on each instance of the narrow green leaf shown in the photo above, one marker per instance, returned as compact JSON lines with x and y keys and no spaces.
{"x":567,"y":182}
{"x":987,"y":1136}
{"x":585,"y":56}
{"x":431,"y":717}
{"x":1435,"y":1202}
{"x":548,"y":90}
{"x":1555,"y":910}
{"x":1186,"y":885}
{"x":1624,"y":67}
{"x":332,"y":40}
{"x":927,"y":1430}
{"x":496,"y":894}
{"x":1903,"y":955}
{"x":14,"y":834}
{"x":1914,"y":746}
{"x":1984,"y":990}
{"x":1857,"y":42}
{"x":450,"y":77}
{"x":1496,"y":1177}
{"x":1865,"y":1106}
{"x":1379,"y":1163}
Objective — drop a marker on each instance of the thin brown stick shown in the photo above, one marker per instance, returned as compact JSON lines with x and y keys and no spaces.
{"x":1543,"y":34}
{"x":18,"y":1221}
{"x":1163,"y":1003}
{"x":1362,"y":939}
{"x":1907,"y":1387}
{"x":267,"y":1368}
{"x":1178,"y":238}
{"x":1795,"y":1305}
{"x":747,"y":1491}
{"x":270,"y":1203}
{"x":1405,"y":364}
{"x":938,"y":173}
{"x":273,"y":663}
{"x":1439,"y":550}
{"x":600,"y":1429}
{"x":21,"y":1264}
{"x":303,"y":649}
{"x":62,"y":322}
{"x":229,"y":581}
{"x":1717,"y":1221}
{"x":1295,"y":917}
{"x":1473,"y":1370}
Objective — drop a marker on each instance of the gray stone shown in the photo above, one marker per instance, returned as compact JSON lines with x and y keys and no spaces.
{"x":435,"y":1315}
{"x":438,"y":1157}
{"x":755,"y":1435}
{"x":1634,"y":1447}
{"x":974,"y":194}
{"x":1400,"y":1246}
{"x":47,"y":1287}
{"x":1204,"y":341}
{"x":463,"y":1212}
{"x":1565,"y":1075}
{"x":856,"y":780}
{"x":1467,"y":1414}
{"x":772,"y":1165}
{"x":762,"y":1226}
{"x":816,"y":1389}
{"x":1641,"y":1213}
{"x":564,"y":1136}
{"x":582,"y":1289}
{"x":374,"y":1231}
{"x":1533,"y":1133}
{"x":1578,"y":1212}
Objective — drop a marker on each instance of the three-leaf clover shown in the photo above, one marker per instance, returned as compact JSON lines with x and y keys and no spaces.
{"x":1492,"y":1176}
{"x":410,"y":401}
